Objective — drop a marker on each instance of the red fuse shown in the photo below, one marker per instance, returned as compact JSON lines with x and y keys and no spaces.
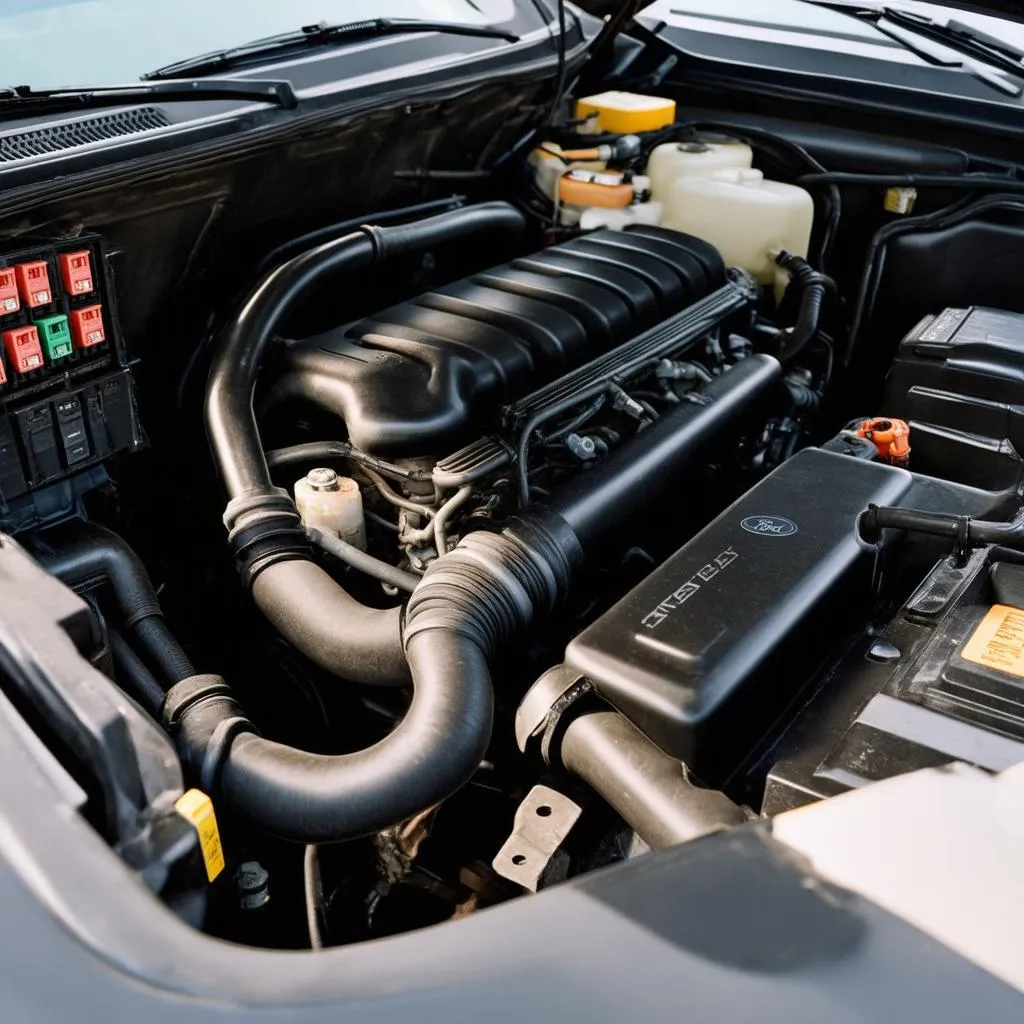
{"x":87,"y":326}
{"x":9,"y":291}
{"x":3,"y":374}
{"x":23,"y":348}
{"x":76,"y":270}
{"x":34,"y":283}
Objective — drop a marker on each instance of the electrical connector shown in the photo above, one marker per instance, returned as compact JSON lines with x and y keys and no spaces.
{"x":34,"y":283}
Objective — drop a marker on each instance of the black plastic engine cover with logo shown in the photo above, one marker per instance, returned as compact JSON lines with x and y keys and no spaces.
{"x":415,"y":379}
{"x":709,"y":649}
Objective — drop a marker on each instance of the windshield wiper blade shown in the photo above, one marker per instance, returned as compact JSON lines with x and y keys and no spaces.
{"x":22,"y":99}
{"x":910,"y":29}
{"x":319,"y":35}
{"x":960,"y":37}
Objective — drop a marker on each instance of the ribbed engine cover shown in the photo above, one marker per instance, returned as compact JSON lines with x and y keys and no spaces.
{"x":430,"y":373}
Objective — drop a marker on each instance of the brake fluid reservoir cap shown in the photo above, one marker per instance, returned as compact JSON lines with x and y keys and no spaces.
{"x":322,"y":479}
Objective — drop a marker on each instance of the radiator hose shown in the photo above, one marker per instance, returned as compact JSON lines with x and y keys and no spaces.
{"x":82,"y":554}
{"x":468,"y":604}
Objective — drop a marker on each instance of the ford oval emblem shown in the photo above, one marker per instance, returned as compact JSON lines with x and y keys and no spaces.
{"x":769,"y":526}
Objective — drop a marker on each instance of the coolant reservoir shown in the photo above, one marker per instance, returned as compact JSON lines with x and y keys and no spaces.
{"x":675,"y":160}
{"x":331,"y":504}
{"x":744,"y":216}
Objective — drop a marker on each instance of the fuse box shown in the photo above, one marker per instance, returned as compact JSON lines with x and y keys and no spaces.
{"x":67,"y":398}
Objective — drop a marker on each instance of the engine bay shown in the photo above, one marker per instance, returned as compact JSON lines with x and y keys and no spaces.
{"x":664,"y":483}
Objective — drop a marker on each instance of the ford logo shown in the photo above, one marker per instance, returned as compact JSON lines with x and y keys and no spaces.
{"x":769,"y":526}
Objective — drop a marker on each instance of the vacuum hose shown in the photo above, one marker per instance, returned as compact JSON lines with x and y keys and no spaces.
{"x":813,"y":286}
{"x":966,"y":531}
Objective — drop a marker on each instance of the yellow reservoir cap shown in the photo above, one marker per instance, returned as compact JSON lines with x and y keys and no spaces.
{"x":197,"y":809}
{"x":627,"y":112}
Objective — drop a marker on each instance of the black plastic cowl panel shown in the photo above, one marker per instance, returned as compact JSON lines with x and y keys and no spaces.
{"x":416,"y":379}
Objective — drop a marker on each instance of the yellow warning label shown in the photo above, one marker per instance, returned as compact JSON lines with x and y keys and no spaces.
{"x":998,"y":642}
{"x":197,"y":809}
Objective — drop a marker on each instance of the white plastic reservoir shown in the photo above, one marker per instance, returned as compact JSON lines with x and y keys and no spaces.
{"x":674,"y":160}
{"x":744,"y":216}
{"x":331,"y":504}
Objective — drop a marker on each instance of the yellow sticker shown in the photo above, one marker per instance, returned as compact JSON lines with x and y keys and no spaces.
{"x":998,"y":642}
{"x":197,"y":809}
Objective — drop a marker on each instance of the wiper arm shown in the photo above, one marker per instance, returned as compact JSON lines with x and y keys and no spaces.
{"x":319,"y":35}
{"x":911,"y":30}
{"x":962,"y":38}
{"x":23,"y":99}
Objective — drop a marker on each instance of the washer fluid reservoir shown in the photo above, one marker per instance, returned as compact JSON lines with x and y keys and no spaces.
{"x":674,"y":160}
{"x":744,"y":216}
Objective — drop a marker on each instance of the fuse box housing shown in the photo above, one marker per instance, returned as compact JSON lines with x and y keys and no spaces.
{"x":67,"y":397}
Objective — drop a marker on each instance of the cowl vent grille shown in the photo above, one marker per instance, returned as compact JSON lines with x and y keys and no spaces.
{"x":54,"y":139}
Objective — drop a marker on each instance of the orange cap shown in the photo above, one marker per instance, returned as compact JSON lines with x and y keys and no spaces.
{"x":890,"y":437}
{"x":595,"y":188}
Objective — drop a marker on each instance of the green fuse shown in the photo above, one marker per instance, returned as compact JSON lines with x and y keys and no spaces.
{"x":55,"y":334}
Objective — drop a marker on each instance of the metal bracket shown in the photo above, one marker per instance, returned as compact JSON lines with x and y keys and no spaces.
{"x":543,"y":820}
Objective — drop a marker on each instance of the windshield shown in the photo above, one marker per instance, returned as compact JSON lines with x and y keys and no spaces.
{"x":54,"y":44}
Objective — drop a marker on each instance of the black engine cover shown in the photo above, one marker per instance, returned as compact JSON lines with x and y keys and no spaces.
{"x":706,"y":653}
{"x":416,"y":378}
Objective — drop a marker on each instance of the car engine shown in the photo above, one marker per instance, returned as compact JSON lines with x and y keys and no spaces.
{"x":555,"y":529}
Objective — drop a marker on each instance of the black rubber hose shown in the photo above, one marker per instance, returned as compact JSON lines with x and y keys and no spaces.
{"x":156,"y":639}
{"x":813,"y":287}
{"x":230,"y":422}
{"x":316,"y":798}
{"x":133,"y":676}
{"x":334,"y":630}
{"x":971,"y":533}
{"x":83,"y":554}
{"x":469,"y":604}
{"x":319,"y":798}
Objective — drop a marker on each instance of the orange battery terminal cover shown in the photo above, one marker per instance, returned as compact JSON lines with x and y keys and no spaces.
{"x":890,"y":437}
{"x":595,"y":188}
